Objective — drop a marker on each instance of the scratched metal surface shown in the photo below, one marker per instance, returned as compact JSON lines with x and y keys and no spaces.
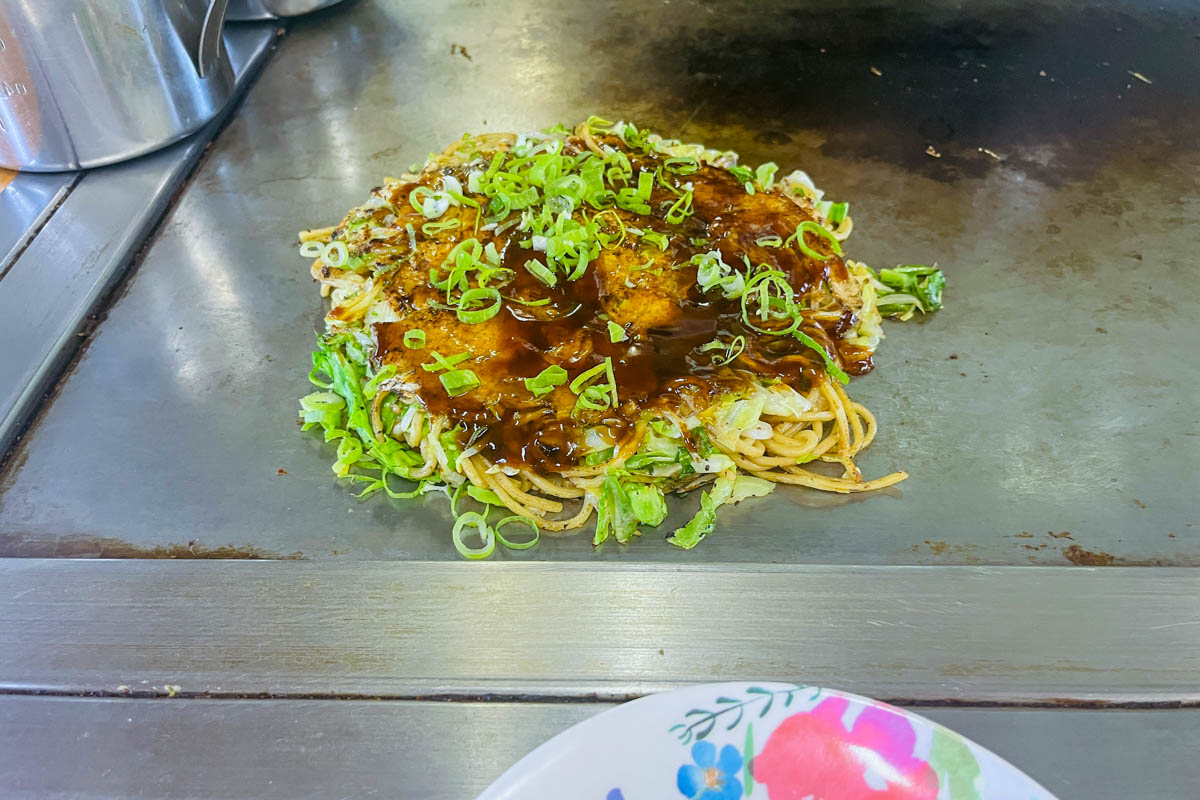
{"x":80,"y":246}
{"x":1055,"y":635}
{"x":26,"y":200}
{"x":450,"y":751}
{"x":1052,"y":395}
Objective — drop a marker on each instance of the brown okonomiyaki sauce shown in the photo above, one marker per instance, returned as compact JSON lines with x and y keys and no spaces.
{"x":651,"y":294}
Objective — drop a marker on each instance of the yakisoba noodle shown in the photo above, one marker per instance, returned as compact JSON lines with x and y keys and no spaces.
{"x":569,"y":324}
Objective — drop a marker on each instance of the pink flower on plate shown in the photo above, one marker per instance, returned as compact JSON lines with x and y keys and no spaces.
{"x":813,"y":755}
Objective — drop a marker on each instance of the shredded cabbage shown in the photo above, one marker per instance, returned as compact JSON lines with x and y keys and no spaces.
{"x":649,"y":504}
{"x":729,"y":488}
{"x":614,"y":513}
{"x":781,"y":400}
{"x":735,"y":417}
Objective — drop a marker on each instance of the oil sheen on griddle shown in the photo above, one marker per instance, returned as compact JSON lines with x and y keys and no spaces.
{"x":652,"y":294}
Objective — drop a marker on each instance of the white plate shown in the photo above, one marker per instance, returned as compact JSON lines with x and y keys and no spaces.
{"x":772,"y":741}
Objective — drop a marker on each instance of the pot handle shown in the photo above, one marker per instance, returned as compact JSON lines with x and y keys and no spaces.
{"x":210,"y":37}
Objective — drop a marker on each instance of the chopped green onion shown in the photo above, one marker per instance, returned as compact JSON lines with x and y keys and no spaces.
{"x":661,"y":179}
{"x":321,"y":408}
{"x":612,"y":379}
{"x":616,"y":333}
{"x":923,"y":283}
{"x":681,"y":209}
{"x":311,"y":249}
{"x":414,"y":339}
{"x":636,"y":200}
{"x":418,"y":196}
{"x":837,"y":213}
{"x":511,"y":545}
{"x":681,"y":165}
{"x":657,"y":239}
{"x":598,"y":124}
{"x":458,"y":382}
{"x":522,"y":199}
{"x":487,"y":274}
{"x":607,"y":240}
{"x":586,"y":377}
{"x":357,"y":263}
{"x":619,"y":170}
{"x":736,"y":348}
{"x":544,"y":301}
{"x":632,"y":137}
{"x":539,"y":270}
{"x":441,"y":362}
{"x":593,"y":398}
{"x":335,"y":254}
{"x":831,"y":366}
{"x":808,"y":226}
{"x":732,"y":350}
{"x":487,"y":535}
{"x":433,"y":228}
{"x":742,"y":174}
{"x":769,"y":241}
{"x":596,"y":397}
{"x":645,"y":185}
{"x":467,"y":312}
{"x":545,"y":381}
{"x":775,"y":300}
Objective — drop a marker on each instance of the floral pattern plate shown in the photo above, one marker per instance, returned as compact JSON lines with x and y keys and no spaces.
{"x":772,"y":741}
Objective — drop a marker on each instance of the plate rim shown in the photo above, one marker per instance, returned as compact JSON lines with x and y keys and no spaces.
{"x":505,"y":781}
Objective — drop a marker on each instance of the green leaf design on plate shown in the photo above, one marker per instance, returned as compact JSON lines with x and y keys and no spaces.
{"x":705,"y":719}
{"x":955,"y":765}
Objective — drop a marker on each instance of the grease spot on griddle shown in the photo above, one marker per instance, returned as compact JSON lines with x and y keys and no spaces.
{"x":774,"y":68}
{"x":1086,"y":558}
{"x":16,"y":545}
{"x":773,"y":137}
{"x":967,"y":552}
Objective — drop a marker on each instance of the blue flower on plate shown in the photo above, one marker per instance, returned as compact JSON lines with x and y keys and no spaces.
{"x":711,"y":777}
{"x":615,"y":794}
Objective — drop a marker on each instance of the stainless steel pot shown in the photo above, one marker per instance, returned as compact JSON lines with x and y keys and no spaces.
{"x":83,"y":84}
{"x":273,"y":9}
